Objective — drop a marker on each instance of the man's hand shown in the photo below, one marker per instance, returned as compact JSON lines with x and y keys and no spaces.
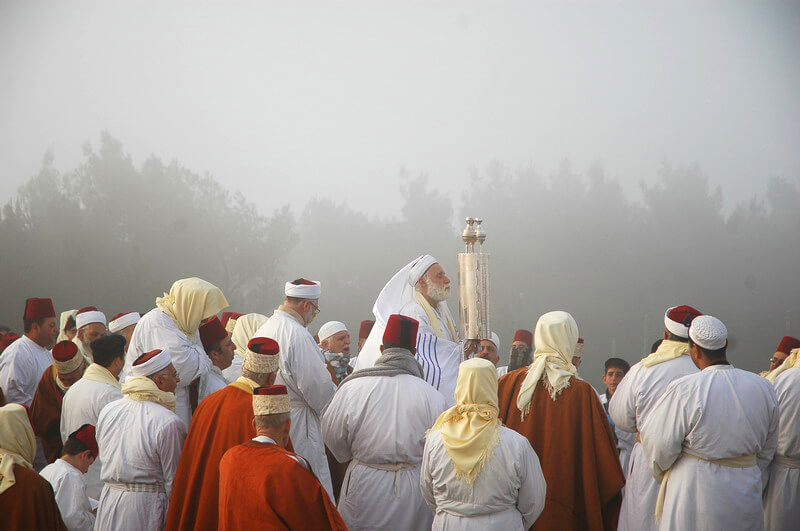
{"x":471,"y":348}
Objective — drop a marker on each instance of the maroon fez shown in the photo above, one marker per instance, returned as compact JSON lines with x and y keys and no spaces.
{"x":303,"y":282}
{"x":36,"y":308}
{"x":268,"y":390}
{"x":7,"y":339}
{"x":227,"y":316}
{"x":526,"y":336}
{"x":86,"y":434}
{"x":263,"y":345}
{"x":401,"y":331}
{"x":787,"y":344}
{"x":212,"y":332}
{"x":147,"y":356}
{"x":64,"y":350}
{"x":365,"y":329}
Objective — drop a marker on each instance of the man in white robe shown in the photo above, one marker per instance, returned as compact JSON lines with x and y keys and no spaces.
{"x":630,"y":405}
{"x":615,"y":371}
{"x":420,"y":291}
{"x":172,"y":326}
{"x":710,"y":439}
{"x":219,"y":347}
{"x":377,"y":420}
{"x":87,"y":397}
{"x":782,"y":498}
{"x":91,"y":324}
{"x":124,"y":324}
{"x":489,"y":349}
{"x":244,"y":330}
{"x":140,"y":439}
{"x":24,"y":361}
{"x":303,"y":371}
{"x":476,"y":473}
{"x":65,"y":474}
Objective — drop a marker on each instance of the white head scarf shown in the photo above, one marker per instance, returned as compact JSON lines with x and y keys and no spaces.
{"x":245,"y":329}
{"x":62,"y":335}
{"x":555,"y":338}
{"x":189,"y":301}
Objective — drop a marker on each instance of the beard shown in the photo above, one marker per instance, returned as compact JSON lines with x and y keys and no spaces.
{"x":438,"y":292}
{"x":520,"y":357}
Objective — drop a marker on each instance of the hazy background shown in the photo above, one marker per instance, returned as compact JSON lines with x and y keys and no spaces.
{"x":626,"y":157}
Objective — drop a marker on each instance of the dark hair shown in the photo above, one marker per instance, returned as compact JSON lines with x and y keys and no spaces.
{"x":216,"y":346}
{"x":74,"y":446}
{"x":4,"y":329}
{"x":27,"y":324}
{"x":673,"y":337}
{"x":655,"y":346}
{"x":711,"y":354}
{"x":108,"y":348}
{"x":69,"y":324}
{"x":618,"y":363}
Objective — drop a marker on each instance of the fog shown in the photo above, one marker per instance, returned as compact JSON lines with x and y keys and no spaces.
{"x":626,"y":157}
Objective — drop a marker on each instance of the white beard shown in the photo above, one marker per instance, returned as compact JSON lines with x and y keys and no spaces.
{"x":438,"y":293}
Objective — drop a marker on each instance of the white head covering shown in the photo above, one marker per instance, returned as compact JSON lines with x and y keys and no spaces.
{"x":124,"y":321}
{"x":330,"y":328}
{"x":419,"y":267}
{"x":494,"y":339}
{"x":153,"y":365}
{"x":245,"y":330}
{"x":303,"y":291}
{"x":708,"y":332}
{"x":555,"y":337}
{"x":87,"y":318}
{"x":62,"y":335}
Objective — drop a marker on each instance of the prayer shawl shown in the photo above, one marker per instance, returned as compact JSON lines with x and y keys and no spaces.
{"x":46,"y":413}
{"x":143,"y":389}
{"x":98,"y":373}
{"x":62,"y":335}
{"x":792,"y":361}
{"x":667,"y":350}
{"x":17,"y":443}
{"x":470,"y":429}
{"x":189,"y":301}
{"x":555,"y":337}
{"x":392,"y":362}
{"x":433,"y":317}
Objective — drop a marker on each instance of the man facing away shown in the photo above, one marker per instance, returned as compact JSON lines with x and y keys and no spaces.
{"x":124,"y":324}
{"x":377,"y":421}
{"x":263,"y":485}
{"x":710,"y":438}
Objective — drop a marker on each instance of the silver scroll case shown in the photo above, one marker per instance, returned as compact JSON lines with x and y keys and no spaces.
{"x":473,"y":283}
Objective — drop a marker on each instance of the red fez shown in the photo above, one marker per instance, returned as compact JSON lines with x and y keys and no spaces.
{"x":86,"y":434}
{"x":38,"y":309}
{"x":268,"y":390}
{"x":147,"y":356}
{"x":316,"y":338}
{"x":580,"y":340}
{"x":365,"y":329}
{"x":212,"y":332}
{"x":87,"y":309}
{"x":227,"y":316}
{"x":7,"y":339}
{"x":787,"y":344}
{"x":526,"y":336}
{"x":678,"y":318}
{"x":263,"y":345}
{"x":303,"y":282}
{"x":401,"y":331}
{"x":64,"y":350}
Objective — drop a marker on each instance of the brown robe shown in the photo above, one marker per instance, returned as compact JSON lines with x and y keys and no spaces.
{"x":575,"y":445}
{"x":46,"y":414}
{"x":29,"y":504}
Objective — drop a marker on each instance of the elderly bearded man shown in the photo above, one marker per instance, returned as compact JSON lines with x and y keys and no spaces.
{"x":91,"y":324}
{"x":334,"y":340}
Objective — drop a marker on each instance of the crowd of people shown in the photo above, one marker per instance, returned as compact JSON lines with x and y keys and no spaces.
{"x":192,"y":416}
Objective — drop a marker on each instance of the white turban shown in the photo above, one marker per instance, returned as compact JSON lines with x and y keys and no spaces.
{"x":123,"y":321}
{"x":89,"y":317}
{"x":419,"y":267}
{"x":330,"y":328}
{"x":494,"y":339}
{"x":304,"y":291}
{"x":708,"y":332}
{"x":153,"y":365}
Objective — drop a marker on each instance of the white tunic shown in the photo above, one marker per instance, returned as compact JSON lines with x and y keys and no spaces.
{"x":439,"y":357}
{"x":625,"y":440}
{"x":502,"y":371}
{"x":211,"y":382}
{"x":82,"y":404}
{"x":721,"y":412}
{"x":140,"y":443}
{"x":303,"y":371}
{"x":156,"y":330}
{"x":782,"y":499}
{"x":21,"y":367}
{"x":235,"y":370}
{"x":508,"y":494}
{"x":632,"y":402}
{"x":381,"y":421}
{"x":70,"y":491}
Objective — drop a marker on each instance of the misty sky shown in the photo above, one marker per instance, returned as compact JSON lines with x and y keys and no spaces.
{"x":332,"y":99}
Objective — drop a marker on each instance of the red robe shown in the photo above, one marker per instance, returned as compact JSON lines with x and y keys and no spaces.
{"x":30,"y":503}
{"x":576,"y":448}
{"x":46,"y":414}
{"x":262,"y":487}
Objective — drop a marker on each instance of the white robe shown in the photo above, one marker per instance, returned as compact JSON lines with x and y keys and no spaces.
{"x":21,"y":367}
{"x":235,"y":370}
{"x":140,"y":442}
{"x":71,"y":498}
{"x":625,"y":440}
{"x":156,"y":330}
{"x":382,"y":420}
{"x":721,"y":412}
{"x":782,"y":498}
{"x":508,"y":494}
{"x":211,"y":382}
{"x":304,"y":373}
{"x":82,"y":404}
{"x":630,"y":406}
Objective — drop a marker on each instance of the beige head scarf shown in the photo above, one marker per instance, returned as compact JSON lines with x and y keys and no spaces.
{"x":17,"y":443}
{"x":62,"y":335}
{"x":189,"y":301}
{"x":555,"y":338}
{"x":245,"y":329}
{"x":470,"y":429}
{"x":792,"y":361}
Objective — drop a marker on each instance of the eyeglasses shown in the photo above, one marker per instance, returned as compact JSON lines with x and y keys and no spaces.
{"x":773,"y":359}
{"x":316,"y":308}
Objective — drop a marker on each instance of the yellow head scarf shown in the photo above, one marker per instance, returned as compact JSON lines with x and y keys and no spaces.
{"x":555,"y":338}
{"x":470,"y":429}
{"x":189,"y":301}
{"x":17,"y":443}
{"x":792,"y":361}
{"x":245,"y":329}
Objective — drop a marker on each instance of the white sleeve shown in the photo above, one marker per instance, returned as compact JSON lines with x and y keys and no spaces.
{"x":426,"y":477}
{"x":622,"y":406}
{"x":312,"y":378}
{"x":169,"y":444}
{"x":532,"y":489}
{"x":190,"y":361}
{"x":18,"y":381}
{"x":335,"y":429}
{"x":665,"y":429}
{"x":76,"y":511}
{"x":767,"y":453}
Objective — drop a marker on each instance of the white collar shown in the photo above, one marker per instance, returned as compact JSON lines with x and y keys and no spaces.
{"x":263,"y":439}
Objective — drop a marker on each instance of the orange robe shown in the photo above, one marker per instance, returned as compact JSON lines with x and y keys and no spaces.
{"x":30,"y":503}
{"x":576,"y":448}
{"x":46,"y":414}
{"x":262,"y":487}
